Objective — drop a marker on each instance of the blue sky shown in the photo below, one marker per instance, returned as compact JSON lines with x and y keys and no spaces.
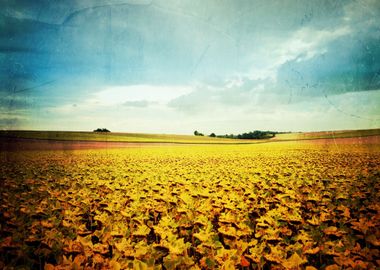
{"x":178,"y":66}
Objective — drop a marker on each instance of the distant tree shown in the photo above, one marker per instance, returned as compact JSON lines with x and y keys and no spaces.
{"x":101,"y":130}
{"x":212,"y":135}
{"x":196,"y":133}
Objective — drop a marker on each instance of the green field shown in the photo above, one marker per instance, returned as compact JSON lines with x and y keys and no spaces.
{"x":112,"y":137}
{"x":170,"y":138}
{"x":327,"y":134}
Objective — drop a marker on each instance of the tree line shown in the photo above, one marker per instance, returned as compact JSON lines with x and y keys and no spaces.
{"x":101,"y":130}
{"x":257,"y":134}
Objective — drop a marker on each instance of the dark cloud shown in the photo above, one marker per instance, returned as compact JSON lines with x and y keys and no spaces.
{"x":349,"y":64}
{"x":17,"y":49}
{"x":13,"y":103}
{"x":10,"y":123}
{"x":11,"y":27}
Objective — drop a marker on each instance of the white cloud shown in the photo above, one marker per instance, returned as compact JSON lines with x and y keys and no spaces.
{"x":125,"y":95}
{"x":115,"y":95}
{"x":302,"y":45}
{"x":308,"y":42}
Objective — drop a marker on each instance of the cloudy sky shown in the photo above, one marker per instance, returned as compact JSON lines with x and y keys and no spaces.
{"x":168,"y":66}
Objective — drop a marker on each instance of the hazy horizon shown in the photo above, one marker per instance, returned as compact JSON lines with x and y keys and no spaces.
{"x":191,"y":133}
{"x":172,"y":67}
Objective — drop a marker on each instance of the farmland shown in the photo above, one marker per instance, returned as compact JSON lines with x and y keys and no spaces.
{"x":310,"y":204}
{"x":168,"y":138}
{"x":113,"y":137}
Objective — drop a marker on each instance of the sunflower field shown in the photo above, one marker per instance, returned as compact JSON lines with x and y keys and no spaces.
{"x":265,"y":206}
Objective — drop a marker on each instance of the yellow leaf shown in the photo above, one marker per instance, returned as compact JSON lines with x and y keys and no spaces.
{"x":125,"y":214}
{"x":139,"y":265}
{"x":178,"y":246}
{"x":312,"y":250}
{"x":314,"y":221}
{"x":203,"y":236}
{"x":228,"y":231}
{"x":201,"y":220}
{"x":49,"y":266}
{"x":47,"y":224}
{"x":332,"y":230}
{"x":142,"y":230}
{"x":73,"y":247}
{"x":360,"y":264}
{"x":85,"y":241}
{"x":256,"y":252}
{"x":228,"y":265}
{"x":228,"y":217}
{"x":332,"y":267}
{"x":79,"y":259}
{"x":140,"y":249}
{"x":97,"y":259}
{"x":125,"y":247}
{"x":114,"y":265}
{"x":363,"y":225}
{"x":294,"y":261}
{"x":101,"y":248}
{"x":186,"y":198}
{"x":276,"y":255}
{"x":373,"y":240}
{"x":224,"y":255}
{"x":303,"y":237}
